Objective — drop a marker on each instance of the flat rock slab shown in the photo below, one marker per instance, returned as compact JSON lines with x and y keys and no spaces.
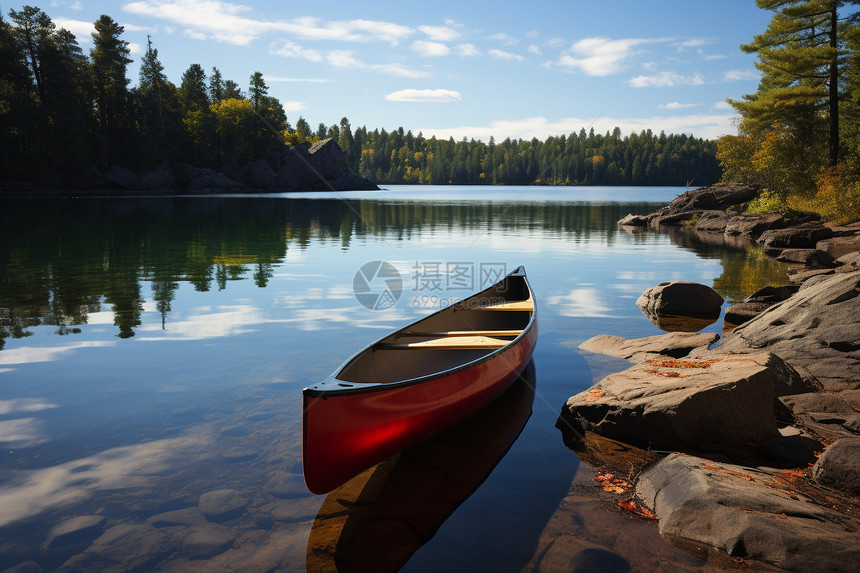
{"x":685,"y":404}
{"x":818,"y":329}
{"x":839,"y":466}
{"x":838,"y":247}
{"x":748,"y":513}
{"x":75,"y":530}
{"x":674,"y":344}
{"x":753,"y":225}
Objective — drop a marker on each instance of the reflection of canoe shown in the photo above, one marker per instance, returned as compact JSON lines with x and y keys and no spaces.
{"x":379,"y":518}
{"x":416,"y":382}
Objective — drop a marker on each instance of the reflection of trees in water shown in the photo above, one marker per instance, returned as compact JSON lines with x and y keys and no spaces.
{"x":742,"y":275}
{"x":61,"y":259}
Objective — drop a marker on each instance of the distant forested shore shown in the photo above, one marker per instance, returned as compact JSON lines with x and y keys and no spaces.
{"x":64,"y":112}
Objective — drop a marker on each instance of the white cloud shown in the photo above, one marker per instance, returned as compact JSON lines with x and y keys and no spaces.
{"x":677,"y":105}
{"x":534,"y":49}
{"x":293,"y":50}
{"x":293,"y":106}
{"x":693,"y":42}
{"x":712,"y":57}
{"x":345,"y":59}
{"x":556,"y":43}
{"x":195,"y":35}
{"x":411,"y":95}
{"x":440,"y":33}
{"x":738,"y":75}
{"x":666,"y":80}
{"x":135,"y":49}
{"x":399,"y":71}
{"x":600,"y":56}
{"x":232,"y":23}
{"x":709,"y":126}
{"x":722,"y":105}
{"x":467,"y":50}
{"x":501,"y":54}
{"x":503,"y":38}
{"x":81,"y":29}
{"x":430,"y":49}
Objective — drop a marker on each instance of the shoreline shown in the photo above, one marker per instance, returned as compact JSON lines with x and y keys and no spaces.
{"x":764,"y":425}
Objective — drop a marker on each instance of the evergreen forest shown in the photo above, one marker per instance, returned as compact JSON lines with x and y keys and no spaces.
{"x":63,"y":110}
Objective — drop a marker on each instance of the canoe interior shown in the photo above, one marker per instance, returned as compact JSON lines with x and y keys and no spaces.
{"x":457,"y":335}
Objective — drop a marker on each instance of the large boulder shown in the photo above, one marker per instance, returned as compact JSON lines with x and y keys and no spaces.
{"x":749,"y":513}
{"x":683,"y":298}
{"x":713,"y":197}
{"x":727,"y":401}
{"x":839,"y":466}
{"x":818,"y":329}
{"x":673,"y":344}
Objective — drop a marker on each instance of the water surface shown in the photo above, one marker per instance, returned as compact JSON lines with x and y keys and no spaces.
{"x":153,"y":351}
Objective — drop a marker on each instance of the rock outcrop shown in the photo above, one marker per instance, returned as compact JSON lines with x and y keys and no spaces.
{"x":749,"y":513}
{"x":723,"y":402}
{"x":817,"y":329}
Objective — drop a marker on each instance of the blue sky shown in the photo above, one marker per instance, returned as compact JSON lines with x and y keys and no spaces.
{"x":473,"y":69}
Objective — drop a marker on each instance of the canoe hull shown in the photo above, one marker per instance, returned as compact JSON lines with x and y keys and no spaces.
{"x":346,"y":434}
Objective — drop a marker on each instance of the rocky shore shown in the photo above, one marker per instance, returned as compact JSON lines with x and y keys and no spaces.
{"x":749,"y":444}
{"x":321,"y":167}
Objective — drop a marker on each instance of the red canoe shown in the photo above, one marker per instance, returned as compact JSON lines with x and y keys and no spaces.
{"x":416,"y":382}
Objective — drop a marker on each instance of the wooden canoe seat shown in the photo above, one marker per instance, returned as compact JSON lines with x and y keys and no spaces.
{"x":463,"y":333}
{"x":449,"y":343}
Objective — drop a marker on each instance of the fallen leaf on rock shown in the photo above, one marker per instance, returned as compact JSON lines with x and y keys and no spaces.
{"x":683,"y":363}
{"x":668,"y":374}
{"x":594,"y":395}
{"x":634,"y":507}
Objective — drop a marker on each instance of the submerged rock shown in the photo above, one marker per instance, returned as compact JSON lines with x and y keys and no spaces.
{"x":674,"y":344}
{"x":748,"y":513}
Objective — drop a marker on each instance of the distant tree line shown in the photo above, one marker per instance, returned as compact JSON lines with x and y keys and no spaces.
{"x":62,"y":110}
{"x":576,"y":159}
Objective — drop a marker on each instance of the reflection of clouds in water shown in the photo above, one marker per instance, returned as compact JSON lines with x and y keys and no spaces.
{"x":230,"y":321}
{"x":581,"y":303}
{"x":28,"y":354}
{"x":22,"y":433}
{"x":25,"y":405}
{"x":636,"y":276}
{"x":33,"y":491}
{"x":240,"y":319}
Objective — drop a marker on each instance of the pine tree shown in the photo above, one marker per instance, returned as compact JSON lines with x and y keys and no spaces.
{"x":258,"y":89}
{"x":801,"y":60}
{"x":109,"y":61}
{"x":216,"y":86}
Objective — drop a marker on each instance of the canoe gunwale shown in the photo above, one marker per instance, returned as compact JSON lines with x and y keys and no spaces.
{"x":333,"y":386}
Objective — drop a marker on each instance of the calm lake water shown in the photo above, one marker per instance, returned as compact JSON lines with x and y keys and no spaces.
{"x":153,"y":351}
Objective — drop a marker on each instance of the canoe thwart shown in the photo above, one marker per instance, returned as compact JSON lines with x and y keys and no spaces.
{"x":449,"y":343}
{"x":513,"y":305}
{"x":463,"y":333}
